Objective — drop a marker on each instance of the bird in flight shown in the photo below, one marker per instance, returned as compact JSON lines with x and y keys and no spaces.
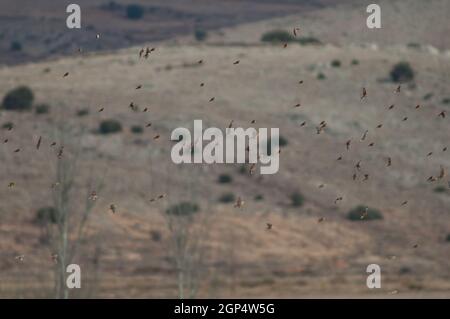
{"x":364,"y":93}
{"x":239,"y":203}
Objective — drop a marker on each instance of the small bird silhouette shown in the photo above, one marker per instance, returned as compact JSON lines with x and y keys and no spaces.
{"x":239,"y":203}
{"x":442,"y":173}
{"x":364,"y":93}
{"x":364,"y":213}
{"x":66,"y":74}
{"x":364,"y":135}
{"x":269,"y":226}
{"x":442,"y":114}
{"x":389,"y":162}
{"x":112,"y":207}
{"x":60,"y":152}
{"x":391,"y":106}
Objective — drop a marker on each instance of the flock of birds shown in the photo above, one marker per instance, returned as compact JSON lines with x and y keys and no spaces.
{"x":145,"y":53}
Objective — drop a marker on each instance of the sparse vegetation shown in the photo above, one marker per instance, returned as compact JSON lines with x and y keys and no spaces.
{"x":355,"y":62}
{"x":200,"y":35}
{"x":156,"y":235}
{"x":283,"y":141}
{"x":110,"y":127}
{"x":42,"y":109}
{"x":278,"y":36}
{"x":18,"y":99}
{"x":183,"y":209}
{"x":440,"y":189}
{"x":297,"y":199}
{"x":446,"y":100}
{"x":336,"y":64}
{"x":8,"y":126}
{"x":428,"y":96}
{"x":46,"y":215}
{"x":402,"y":72}
{"x":309,"y":41}
{"x":135,"y":11}
{"x":83,"y":112}
{"x":321,"y":76}
{"x":448,"y":238}
{"x":259,"y":197}
{"x":225,"y":179}
{"x":227,"y":198}
{"x":359,"y":213}
{"x":137,"y":129}
{"x":16,"y":46}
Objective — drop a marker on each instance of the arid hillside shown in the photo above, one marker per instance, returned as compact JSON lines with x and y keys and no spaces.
{"x":293,"y":236}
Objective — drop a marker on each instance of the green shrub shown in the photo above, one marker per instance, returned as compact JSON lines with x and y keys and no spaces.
{"x":448,"y":238}
{"x":137,"y":129}
{"x":275,"y":36}
{"x":440,"y":189}
{"x":46,"y":215}
{"x":321,"y":76}
{"x":18,"y":99}
{"x":297,"y":199}
{"x":227,"y":198}
{"x":428,"y":96}
{"x":358,"y":214}
{"x":355,"y":62}
{"x":225,"y":178}
{"x":135,"y":11}
{"x":446,"y":100}
{"x":8,"y":126}
{"x":336,"y":63}
{"x":259,"y":197}
{"x":15,"y":46}
{"x":183,"y":209}
{"x":200,"y":35}
{"x":282,"y":141}
{"x":42,"y":109}
{"x":156,"y":235}
{"x":83,"y":112}
{"x":309,"y":41}
{"x":402,"y":72}
{"x":110,"y":127}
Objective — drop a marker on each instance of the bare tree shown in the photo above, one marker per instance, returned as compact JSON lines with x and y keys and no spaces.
{"x":68,"y":229}
{"x":188,"y":227}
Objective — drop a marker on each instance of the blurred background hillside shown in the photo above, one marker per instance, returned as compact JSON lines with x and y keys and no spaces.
{"x":87,"y":178}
